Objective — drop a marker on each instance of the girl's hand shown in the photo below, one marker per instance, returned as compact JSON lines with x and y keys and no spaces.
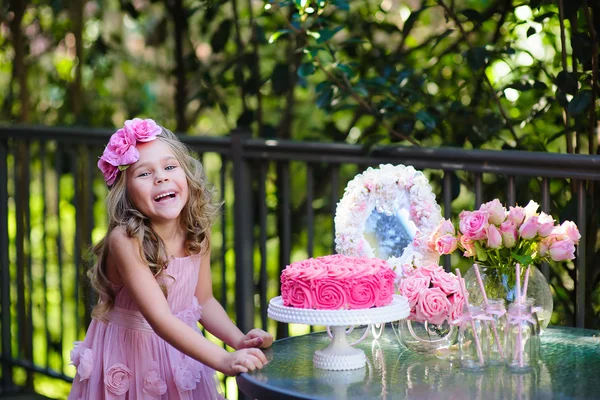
{"x":256,"y":338}
{"x":243,"y":361}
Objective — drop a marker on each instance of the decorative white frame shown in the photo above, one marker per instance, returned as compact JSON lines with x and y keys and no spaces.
{"x":386,"y":189}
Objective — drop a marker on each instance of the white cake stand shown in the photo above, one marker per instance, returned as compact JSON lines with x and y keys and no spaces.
{"x":339,"y":355}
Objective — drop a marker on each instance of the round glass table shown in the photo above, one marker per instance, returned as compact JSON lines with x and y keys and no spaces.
{"x":569,"y":368}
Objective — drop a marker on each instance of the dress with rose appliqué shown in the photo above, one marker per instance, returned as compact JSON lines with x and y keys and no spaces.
{"x":123,"y":358}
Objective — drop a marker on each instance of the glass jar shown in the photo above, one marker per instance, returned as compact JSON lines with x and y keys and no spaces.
{"x":496,"y":310}
{"x":522,"y":338}
{"x":473,"y":341}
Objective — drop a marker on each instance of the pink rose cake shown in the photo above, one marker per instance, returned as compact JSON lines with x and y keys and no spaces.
{"x":337,"y":282}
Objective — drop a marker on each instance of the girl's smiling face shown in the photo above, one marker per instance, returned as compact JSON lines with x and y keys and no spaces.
{"x":156,"y":183}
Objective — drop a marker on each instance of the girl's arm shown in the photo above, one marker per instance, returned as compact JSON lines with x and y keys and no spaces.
{"x":215,"y":319}
{"x":145,"y":291}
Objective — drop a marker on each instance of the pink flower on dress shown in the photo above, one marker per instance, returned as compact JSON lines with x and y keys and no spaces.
{"x":154,"y":386}
{"x":144,"y":130}
{"x":76,"y":352}
{"x":185,"y":375}
{"x":117,"y":379}
{"x":86,"y":362}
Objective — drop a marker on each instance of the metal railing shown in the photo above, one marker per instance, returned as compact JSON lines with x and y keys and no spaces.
{"x":276,"y":193}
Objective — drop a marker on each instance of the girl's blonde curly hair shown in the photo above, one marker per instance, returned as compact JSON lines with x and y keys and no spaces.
{"x":196,"y":219}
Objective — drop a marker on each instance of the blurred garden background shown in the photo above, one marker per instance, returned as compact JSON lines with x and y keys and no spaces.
{"x":470,"y":74}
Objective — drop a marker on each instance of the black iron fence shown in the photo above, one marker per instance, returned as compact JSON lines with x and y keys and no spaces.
{"x":280,"y":200}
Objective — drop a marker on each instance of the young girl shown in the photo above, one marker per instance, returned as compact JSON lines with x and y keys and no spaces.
{"x":153,"y":278}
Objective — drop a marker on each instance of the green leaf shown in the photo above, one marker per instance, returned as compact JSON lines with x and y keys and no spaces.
{"x":410,"y":21}
{"x":524,"y":260}
{"x":341,"y":5}
{"x":278,"y":34}
{"x":327,"y":34}
{"x":427,"y":119}
{"x":441,"y":37}
{"x":477,"y":57}
{"x":361,"y":90}
{"x":221,"y":36}
{"x":566,"y":82}
{"x":346,"y":70}
{"x":324,"y":98}
{"x":306,"y":69}
{"x":481,"y":254}
{"x":580,"y":102}
{"x":540,"y":18}
{"x":472,"y":15}
{"x":123,"y":167}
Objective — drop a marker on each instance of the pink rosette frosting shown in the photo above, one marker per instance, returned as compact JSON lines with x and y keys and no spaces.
{"x":363,"y":293}
{"x":117,"y":379}
{"x":329,"y":295}
{"x":299,"y":294}
{"x":386,"y":278}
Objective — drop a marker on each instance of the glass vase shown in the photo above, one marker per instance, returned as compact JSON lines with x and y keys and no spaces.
{"x":423,"y":337}
{"x":499,"y":282}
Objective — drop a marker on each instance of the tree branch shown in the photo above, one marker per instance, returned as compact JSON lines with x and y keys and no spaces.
{"x":563,"y":45}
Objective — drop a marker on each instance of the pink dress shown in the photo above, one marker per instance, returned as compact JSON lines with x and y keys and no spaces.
{"x":124,"y":359}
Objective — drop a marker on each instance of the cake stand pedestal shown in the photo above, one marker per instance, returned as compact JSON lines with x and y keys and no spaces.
{"x":339,"y":355}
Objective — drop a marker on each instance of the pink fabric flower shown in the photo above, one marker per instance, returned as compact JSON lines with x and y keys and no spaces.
{"x":457,"y":302}
{"x":473,"y":224}
{"x":109,"y":171}
{"x":121,"y":149}
{"x":411,"y":286}
{"x":430,"y":269}
{"x":117,"y":379}
{"x":144,"y":130}
{"x":154,"y":386}
{"x":530,"y":227}
{"x":562,"y":250}
{"x":433,"y":306}
{"x":494,"y":238}
{"x":76,"y":352}
{"x":86,"y":362}
{"x":495,"y":210}
{"x":508,"y":230}
{"x":330,"y":294}
{"x":447,"y":282}
{"x":185,"y":375}
{"x":516,"y":215}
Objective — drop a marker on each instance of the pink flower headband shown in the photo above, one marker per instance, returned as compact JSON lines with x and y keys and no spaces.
{"x":121,"y":152}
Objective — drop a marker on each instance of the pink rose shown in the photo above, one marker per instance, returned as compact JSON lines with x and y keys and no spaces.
{"x":330,"y":295}
{"x":473,"y":224}
{"x":109,"y":171}
{"x":468,"y":245}
{"x":562,"y":250}
{"x":154,"y":386}
{"x":117,"y":379}
{"x":495,"y":210}
{"x":411,"y":286}
{"x":144,"y":130}
{"x":530,"y":227}
{"x":571,"y":230}
{"x":430,"y":269}
{"x":531,"y":209}
{"x":433,"y":306}
{"x":457,"y":302}
{"x":186,"y":374}
{"x":447,"y":282}
{"x":298,"y":294}
{"x":546,"y":224}
{"x":86,"y":362}
{"x":363,"y":293}
{"x":544,"y":246}
{"x":494,"y":238}
{"x":508,"y":230}
{"x":516,"y":215}
{"x":446,"y":244}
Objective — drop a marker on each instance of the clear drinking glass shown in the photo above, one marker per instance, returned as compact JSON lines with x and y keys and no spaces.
{"x":473,"y":342}
{"x":522,"y":338}
{"x":496,"y":310}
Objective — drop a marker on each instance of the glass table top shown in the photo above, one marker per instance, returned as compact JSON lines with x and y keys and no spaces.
{"x":569,"y":368}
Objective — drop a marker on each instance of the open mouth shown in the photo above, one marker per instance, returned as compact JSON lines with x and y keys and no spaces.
{"x":163,"y":197}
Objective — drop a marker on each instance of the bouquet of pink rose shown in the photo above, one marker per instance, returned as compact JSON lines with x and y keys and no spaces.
{"x":500,"y":238}
{"x":434,"y":295}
